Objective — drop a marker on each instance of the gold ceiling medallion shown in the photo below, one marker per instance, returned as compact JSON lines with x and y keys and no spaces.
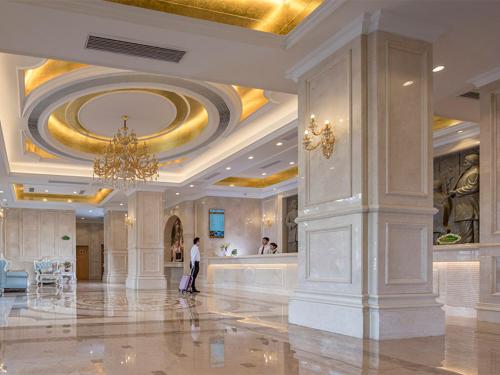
{"x":315,"y":138}
{"x":271,"y":16}
{"x":124,"y":163}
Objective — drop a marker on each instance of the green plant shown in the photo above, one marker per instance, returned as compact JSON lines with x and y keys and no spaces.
{"x":448,"y":239}
{"x":234,"y":252}
{"x":67,"y":265}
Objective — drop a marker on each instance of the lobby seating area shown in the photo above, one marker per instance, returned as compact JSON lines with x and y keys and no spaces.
{"x":12,"y":279}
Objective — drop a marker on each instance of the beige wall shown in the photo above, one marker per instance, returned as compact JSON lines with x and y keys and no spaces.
{"x":33,"y":234}
{"x":91,"y":235}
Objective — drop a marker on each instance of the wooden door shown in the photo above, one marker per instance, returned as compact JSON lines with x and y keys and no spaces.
{"x":82,"y":262}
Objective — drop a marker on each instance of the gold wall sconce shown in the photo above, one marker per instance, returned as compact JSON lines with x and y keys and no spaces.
{"x":315,"y":137}
{"x":267,"y":220}
{"x":129,"y":221}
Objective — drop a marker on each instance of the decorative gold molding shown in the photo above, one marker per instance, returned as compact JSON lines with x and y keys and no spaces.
{"x":97,"y":198}
{"x":31,"y":148}
{"x":49,"y":70}
{"x":251,"y":100}
{"x":440,"y":122}
{"x":260,"y":182}
{"x":272,"y":16}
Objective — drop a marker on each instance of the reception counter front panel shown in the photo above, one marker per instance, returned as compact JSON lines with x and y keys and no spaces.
{"x":274,"y":274}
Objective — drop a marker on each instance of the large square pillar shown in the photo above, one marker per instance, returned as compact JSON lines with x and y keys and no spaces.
{"x":488,"y":308}
{"x":145,"y":241}
{"x":115,"y":247}
{"x":365,"y":215}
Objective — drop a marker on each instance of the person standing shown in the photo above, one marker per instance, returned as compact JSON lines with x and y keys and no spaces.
{"x":195,"y":263}
{"x":264,"y":248}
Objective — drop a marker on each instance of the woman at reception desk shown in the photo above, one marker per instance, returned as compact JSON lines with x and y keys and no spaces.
{"x":266,"y":273}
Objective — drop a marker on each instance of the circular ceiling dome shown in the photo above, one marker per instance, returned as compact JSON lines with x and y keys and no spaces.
{"x":148,"y":113}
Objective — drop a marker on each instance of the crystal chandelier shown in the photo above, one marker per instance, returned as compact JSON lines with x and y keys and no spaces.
{"x":125,"y":163}
{"x":315,"y":138}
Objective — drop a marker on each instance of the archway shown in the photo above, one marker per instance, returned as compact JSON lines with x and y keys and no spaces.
{"x":173,"y":240}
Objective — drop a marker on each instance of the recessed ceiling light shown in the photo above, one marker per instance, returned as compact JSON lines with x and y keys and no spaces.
{"x":75,"y":192}
{"x":1,"y":191}
{"x":459,"y":131}
{"x":90,"y":211}
{"x":69,"y":201}
{"x":228,"y":168}
{"x":292,"y":163}
{"x":408,"y":83}
{"x":46,"y":191}
{"x":232,"y":185}
{"x":438,"y":68}
{"x":250,"y":157}
{"x":191,"y":185}
{"x":45,"y":199}
{"x":177,"y":193}
{"x":121,"y":204}
{"x":264,"y":173}
{"x":279,"y":144}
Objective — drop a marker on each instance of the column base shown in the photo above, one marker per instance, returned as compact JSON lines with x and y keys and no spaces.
{"x":114,"y":278}
{"x":346,"y":315}
{"x":146,"y":282}
{"x":392,"y":317}
{"x":488,"y":312}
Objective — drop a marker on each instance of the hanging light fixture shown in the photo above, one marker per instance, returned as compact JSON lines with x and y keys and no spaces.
{"x":125,"y":163}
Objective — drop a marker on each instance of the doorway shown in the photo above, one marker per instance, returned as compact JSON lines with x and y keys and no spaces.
{"x":82,"y":262}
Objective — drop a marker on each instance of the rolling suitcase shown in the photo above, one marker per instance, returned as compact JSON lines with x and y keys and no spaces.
{"x":186,"y":282}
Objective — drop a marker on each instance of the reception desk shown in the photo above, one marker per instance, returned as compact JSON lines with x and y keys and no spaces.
{"x":272,"y":274}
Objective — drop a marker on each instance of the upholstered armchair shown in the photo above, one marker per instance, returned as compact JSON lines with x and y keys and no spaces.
{"x":12,"y":279}
{"x":47,"y":272}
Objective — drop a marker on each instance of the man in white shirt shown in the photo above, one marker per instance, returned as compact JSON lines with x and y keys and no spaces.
{"x":195,"y":263}
{"x":264,"y":248}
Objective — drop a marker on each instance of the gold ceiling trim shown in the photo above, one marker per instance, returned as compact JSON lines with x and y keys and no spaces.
{"x":272,"y":16}
{"x":31,"y":148}
{"x":191,"y":128}
{"x":251,"y":100}
{"x":169,"y":163}
{"x":260,"y":182}
{"x":97,"y":198}
{"x":72,"y":111}
{"x":440,"y":122}
{"x":50,"y":69}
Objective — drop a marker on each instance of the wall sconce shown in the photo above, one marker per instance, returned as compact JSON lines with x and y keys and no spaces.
{"x":315,"y":138}
{"x":129,"y":221}
{"x":2,"y":213}
{"x":267,"y":220}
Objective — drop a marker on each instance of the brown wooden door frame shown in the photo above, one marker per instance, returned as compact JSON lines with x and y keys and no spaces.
{"x":82,"y":263}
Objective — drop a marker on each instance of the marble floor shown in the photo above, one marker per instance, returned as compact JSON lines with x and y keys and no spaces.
{"x":92,"y":328}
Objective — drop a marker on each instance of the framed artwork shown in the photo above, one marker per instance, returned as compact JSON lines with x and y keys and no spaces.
{"x":216,"y":223}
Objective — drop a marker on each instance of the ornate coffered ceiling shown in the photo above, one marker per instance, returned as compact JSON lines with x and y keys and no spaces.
{"x":272,"y":16}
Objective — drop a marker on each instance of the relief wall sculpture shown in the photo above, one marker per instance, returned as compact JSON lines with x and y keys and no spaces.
{"x":456,"y":197}
{"x":290,"y":205}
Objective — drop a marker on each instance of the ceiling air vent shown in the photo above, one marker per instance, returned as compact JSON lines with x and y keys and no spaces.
{"x":133,"y":49}
{"x":270,"y":164}
{"x":471,"y":95}
{"x":81,"y":192}
{"x":211,"y":176}
{"x":31,"y":190}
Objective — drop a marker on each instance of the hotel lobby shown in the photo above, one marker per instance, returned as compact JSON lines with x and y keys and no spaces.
{"x":326,"y":171}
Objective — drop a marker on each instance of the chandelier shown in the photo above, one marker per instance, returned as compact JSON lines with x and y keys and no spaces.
{"x":125,"y":163}
{"x":315,"y":138}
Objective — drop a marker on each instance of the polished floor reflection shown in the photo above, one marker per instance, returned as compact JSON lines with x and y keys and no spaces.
{"x":97,"y":329}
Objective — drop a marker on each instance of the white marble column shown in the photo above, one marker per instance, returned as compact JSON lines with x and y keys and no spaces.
{"x":488,"y":308}
{"x":145,"y":241}
{"x":365,"y":215}
{"x":115,"y":247}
